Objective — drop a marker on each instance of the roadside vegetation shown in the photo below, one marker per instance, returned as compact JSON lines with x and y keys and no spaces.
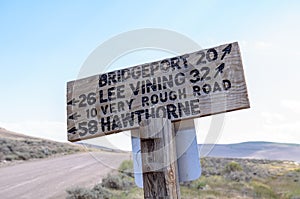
{"x":221,"y":178}
{"x":22,"y":149}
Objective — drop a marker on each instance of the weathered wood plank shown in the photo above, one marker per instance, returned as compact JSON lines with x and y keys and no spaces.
{"x":160,"y":175}
{"x":198,"y":84}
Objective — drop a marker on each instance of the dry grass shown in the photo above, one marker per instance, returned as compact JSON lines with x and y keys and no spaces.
{"x":266,"y":180}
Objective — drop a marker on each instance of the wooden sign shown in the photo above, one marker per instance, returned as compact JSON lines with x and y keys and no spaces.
{"x":193,"y":85}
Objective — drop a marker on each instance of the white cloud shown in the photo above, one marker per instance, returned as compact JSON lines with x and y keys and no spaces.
{"x":287,"y":132}
{"x":283,"y":128}
{"x":279,"y":127}
{"x":292,"y":105}
{"x":271,"y":118}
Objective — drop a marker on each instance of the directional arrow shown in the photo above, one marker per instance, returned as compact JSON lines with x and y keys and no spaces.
{"x":219,"y":69}
{"x":72,"y":102}
{"x":72,"y":130}
{"x":74,"y":116}
{"x":226,"y":50}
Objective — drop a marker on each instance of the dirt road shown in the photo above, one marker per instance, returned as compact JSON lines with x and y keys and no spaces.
{"x":49,"y":178}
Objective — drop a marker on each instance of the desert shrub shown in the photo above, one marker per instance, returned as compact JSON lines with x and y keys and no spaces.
{"x":126,"y":167}
{"x":128,"y":181}
{"x":232,"y":167}
{"x":2,"y":157}
{"x":200,"y":184}
{"x":39,"y":154}
{"x":117,"y":181}
{"x":23,"y":156}
{"x":79,"y":193}
{"x":216,"y":181}
{"x":112,"y":182}
{"x":11,"y":157}
{"x":237,"y":176}
{"x":101,"y":192}
{"x":297,"y":170}
{"x":262,"y":190}
{"x":28,"y":142}
{"x":97,"y":192}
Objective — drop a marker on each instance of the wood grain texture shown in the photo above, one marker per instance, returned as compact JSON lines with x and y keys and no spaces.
{"x":160,"y":174}
{"x":198,"y":84}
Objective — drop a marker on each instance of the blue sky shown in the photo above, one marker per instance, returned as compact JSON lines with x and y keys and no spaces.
{"x":43,"y":44}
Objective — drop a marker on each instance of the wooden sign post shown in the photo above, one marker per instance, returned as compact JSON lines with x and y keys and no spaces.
{"x":160,"y":173}
{"x":193,"y":85}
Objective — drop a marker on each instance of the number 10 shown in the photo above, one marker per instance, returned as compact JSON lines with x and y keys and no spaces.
{"x":91,"y":112}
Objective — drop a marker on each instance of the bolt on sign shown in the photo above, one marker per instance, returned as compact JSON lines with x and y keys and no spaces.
{"x":197,"y":84}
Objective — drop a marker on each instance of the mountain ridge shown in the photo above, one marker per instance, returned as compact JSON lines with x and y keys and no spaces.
{"x":255,"y":150}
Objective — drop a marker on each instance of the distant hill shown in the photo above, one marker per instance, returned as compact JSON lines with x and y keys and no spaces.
{"x":18,"y":147}
{"x":98,"y":147}
{"x":255,"y":150}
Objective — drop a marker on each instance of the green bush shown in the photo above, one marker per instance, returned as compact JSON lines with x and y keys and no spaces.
{"x":101,"y":192}
{"x":232,"y":167}
{"x":297,"y":170}
{"x":113,"y":182}
{"x":97,"y":192}
{"x":79,"y":193}
{"x":126,"y":167}
{"x":262,"y":190}
{"x":117,"y":181}
{"x":11,"y":157}
{"x":199,"y":183}
{"x":2,"y":157}
{"x":23,"y":156}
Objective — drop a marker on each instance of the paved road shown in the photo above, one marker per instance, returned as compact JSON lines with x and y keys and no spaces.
{"x":49,"y":178}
